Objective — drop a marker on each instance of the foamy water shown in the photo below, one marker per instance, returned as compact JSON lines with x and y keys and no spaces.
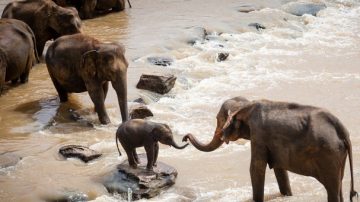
{"x":310,"y":60}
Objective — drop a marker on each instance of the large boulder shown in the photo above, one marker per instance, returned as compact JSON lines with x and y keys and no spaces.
{"x":143,"y":183}
{"x":81,"y":152}
{"x":301,"y":8}
{"x":156,"y":83}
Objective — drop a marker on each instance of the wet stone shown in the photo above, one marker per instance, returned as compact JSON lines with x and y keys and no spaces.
{"x":9,"y":159}
{"x":81,"y":152}
{"x":160,"y":61}
{"x":69,"y":197}
{"x":247,"y":8}
{"x":222,"y":56}
{"x":143,"y":183}
{"x":200,"y":35}
{"x":140,"y":112}
{"x":161,"y":84}
{"x":139,"y":100}
{"x":302,"y":8}
{"x":257,"y":26}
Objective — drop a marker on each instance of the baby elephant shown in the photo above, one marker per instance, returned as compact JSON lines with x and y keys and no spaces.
{"x":137,"y":133}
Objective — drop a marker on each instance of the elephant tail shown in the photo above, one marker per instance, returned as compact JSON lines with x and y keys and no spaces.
{"x":117,"y":145}
{"x":129,"y":3}
{"x":344,"y":134}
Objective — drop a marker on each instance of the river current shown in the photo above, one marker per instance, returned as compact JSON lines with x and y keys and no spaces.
{"x":309,"y":60}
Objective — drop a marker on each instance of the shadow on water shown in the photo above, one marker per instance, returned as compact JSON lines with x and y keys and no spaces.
{"x":52,"y":115}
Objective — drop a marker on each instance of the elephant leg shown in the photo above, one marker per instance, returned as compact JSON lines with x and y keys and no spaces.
{"x":129,"y":153}
{"x":283,"y":181}
{"x":2,"y":79}
{"x":120,"y":5}
{"x":156,"y":153}
{"x":24,"y":77}
{"x":136,"y":158}
{"x":63,"y":95}
{"x":257,"y":171}
{"x":14,"y":81}
{"x":150,"y":156}
{"x":105,"y":88}
{"x":331,"y":179}
{"x":97,"y":96}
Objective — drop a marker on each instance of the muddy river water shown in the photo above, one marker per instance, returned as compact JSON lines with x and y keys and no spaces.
{"x":309,"y":60}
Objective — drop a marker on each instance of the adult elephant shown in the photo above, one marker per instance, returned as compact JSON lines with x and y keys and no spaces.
{"x":286,"y":136}
{"x":17,"y":51}
{"x":229,"y":105}
{"x":78,"y":63}
{"x":46,"y":19}
{"x":89,"y":8}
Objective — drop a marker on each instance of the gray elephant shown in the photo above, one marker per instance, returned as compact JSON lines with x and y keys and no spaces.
{"x":46,"y":19}
{"x":89,"y":8}
{"x":78,"y":63}
{"x":137,"y":133}
{"x":17,"y":51}
{"x":286,"y":136}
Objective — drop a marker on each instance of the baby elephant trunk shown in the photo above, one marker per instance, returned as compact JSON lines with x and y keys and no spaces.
{"x":173,"y":143}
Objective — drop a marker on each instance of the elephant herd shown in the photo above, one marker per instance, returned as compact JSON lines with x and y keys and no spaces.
{"x":285,"y":136}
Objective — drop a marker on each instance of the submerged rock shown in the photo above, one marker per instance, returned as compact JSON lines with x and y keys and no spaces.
{"x":68,"y":197}
{"x":247,"y":8}
{"x":143,"y":183}
{"x":81,"y":152}
{"x":302,"y":8}
{"x":140,"y":112}
{"x":160,"y":61}
{"x":222,"y":56}
{"x":156,"y":83}
{"x":200,"y":35}
{"x":9,"y":159}
{"x":258,"y":26}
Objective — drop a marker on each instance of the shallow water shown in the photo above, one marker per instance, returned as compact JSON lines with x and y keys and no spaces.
{"x":309,"y":60}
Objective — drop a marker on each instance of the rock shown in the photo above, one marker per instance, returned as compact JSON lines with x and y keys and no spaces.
{"x":139,"y":100}
{"x":81,"y":152}
{"x":222,"y":56}
{"x":68,"y":197}
{"x":144,"y":184}
{"x":258,"y":26}
{"x":140,"y":112}
{"x":9,"y":159}
{"x":200,"y":35}
{"x":247,"y":8}
{"x":160,"y":61}
{"x":301,"y":8}
{"x":156,"y":83}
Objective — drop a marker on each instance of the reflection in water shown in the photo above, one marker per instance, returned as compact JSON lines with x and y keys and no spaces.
{"x":310,"y":60}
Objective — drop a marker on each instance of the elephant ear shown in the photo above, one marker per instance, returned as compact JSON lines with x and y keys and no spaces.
{"x":88,"y":63}
{"x":241,"y":114}
{"x":155,"y":133}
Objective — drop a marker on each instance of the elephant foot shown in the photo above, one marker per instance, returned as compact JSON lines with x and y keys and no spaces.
{"x":155,"y":164}
{"x":14,"y":81}
{"x":105,"y":120}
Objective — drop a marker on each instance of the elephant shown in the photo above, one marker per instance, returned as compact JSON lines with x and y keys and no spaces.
{"x":79,"y":63}
{"x":46,"y":19}
{"x":17,"y":51}
{"x":230,"y":104}
{"x":88,"y":8}
{"x":137,"y":133}
{"x":302,"y":139}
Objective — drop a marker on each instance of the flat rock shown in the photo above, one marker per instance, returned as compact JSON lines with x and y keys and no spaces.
{"x":81,"y":152}
{"x":143,"y":183}
{"x":247,"y":8}
{"x":157,"y":83}
{"x":160,"y":61}
{"x":301,"y":8}
{"x":9,"y":159}
{"x":140,"y":112}
{"x":222,"y":56}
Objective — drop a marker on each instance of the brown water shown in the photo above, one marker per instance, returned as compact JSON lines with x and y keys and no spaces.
{"x":303,"y":59}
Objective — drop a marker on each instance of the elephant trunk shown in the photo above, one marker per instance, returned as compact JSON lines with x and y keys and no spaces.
{"x":174,"y":144}
{"x":215,"y":143}
{"x":120,"y":86}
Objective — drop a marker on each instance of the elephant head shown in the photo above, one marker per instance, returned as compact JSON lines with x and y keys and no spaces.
{"x":108,"y":63}
{"x":63,"y":21}
{"x":237,"y":123}
{"x":229,"y":105}
{"x":163,"y":134}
